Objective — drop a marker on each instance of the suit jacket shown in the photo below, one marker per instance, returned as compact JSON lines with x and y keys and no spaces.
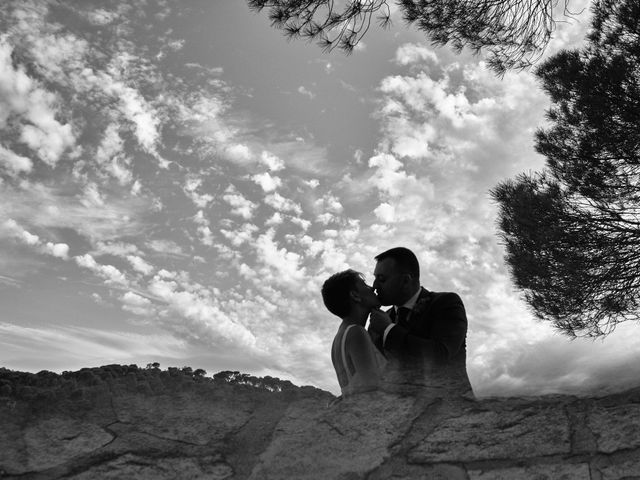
{"x":431,"y":347}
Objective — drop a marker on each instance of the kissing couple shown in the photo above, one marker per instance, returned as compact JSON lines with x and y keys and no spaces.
{"x":419,"y":342}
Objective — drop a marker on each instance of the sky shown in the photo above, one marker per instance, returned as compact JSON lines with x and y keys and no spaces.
{"x":177,"y":180}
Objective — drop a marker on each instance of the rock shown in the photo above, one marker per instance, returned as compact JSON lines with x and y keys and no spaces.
{"x":144,"y":424}
{"x":152,"y":468}
{"x":49,"y":442}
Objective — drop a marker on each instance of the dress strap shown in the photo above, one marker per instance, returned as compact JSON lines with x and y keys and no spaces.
{"x":343,"y":351}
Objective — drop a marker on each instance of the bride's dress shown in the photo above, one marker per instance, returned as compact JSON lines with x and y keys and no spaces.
{"x":358,"y":379}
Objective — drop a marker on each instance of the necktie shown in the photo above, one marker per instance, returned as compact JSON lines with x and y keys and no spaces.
{"x":402,"y":315}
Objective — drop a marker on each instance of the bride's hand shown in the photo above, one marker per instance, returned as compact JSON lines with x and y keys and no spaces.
{"x":379,"y":320}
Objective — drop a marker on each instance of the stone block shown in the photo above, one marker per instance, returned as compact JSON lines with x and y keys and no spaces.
{"x":150,"y":468}
{"x":616,"y":427}
{"x":179,"y":417}
{"x":351,"y":438}
{"x":626,"y":466}
{"x":577,"y":471}
{"x":500,"y":433}
{"x":397,"y":469}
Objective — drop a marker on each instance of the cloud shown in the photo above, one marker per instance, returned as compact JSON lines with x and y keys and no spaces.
{"x":274,"y":163}
{"x":11,"y":228}
{"x":239,"y":153}
{"x":137,"y":304}
{"x":140,"y":265}
{"x":166,"y":247}
{"x":12,"y":282}
{"x":204,"y":232}
{"x":282,"y":204}
{"x":304,"y":91}
{"x":266,"y":181}
{"x":385,"y":213}
{"x":241,"y":235}
{"x":329,"y":203}
{"x":91,"y":214}
{"x":206,"y":322}
{"x":278,"y":265}
{"x":13,"y":162}
{"x":413,"y":53}
{"x":119,"y":249}
{"x":111,"y":158}
{"x":60,"y":250}
{"x":190,"y":188}
{"x":36,"y":110}
{"x":240,"y":205}
{"x":109,"y":273}
{"x":101,"y":16}
{"x":135,"y":108}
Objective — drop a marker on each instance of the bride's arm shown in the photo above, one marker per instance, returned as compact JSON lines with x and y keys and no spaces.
{"x":360,"y":349}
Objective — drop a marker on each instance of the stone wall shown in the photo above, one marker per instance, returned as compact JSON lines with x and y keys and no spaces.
{"x":183,"y":427}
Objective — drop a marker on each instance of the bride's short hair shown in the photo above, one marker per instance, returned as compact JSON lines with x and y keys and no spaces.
{"x":335,"y":291}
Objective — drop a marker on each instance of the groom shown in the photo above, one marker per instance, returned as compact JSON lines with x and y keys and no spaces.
{"x":424,"y":332}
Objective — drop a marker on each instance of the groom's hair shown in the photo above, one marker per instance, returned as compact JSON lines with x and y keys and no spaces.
{"x":336,"y":289}
{"x":406,"y":260}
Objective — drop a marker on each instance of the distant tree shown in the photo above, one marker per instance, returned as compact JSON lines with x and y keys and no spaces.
{"x":226,"y":376}
{"x":199,"y":372}
{"x":572,"y":231}
{"x":515,"y":33}
{"x":153,"y":366}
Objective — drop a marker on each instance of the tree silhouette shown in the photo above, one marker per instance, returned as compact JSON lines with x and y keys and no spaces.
{"x":572,"y":232}
{"x":515,"y":33}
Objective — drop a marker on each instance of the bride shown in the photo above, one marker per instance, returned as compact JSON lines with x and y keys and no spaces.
{"x":358,"y":363}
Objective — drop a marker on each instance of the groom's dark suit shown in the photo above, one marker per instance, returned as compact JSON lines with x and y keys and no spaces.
{"x":431,"y":345}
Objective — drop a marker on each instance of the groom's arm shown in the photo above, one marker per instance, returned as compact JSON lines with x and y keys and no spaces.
{"x":448,"y":332}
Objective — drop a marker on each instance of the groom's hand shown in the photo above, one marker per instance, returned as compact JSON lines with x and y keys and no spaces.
{"x":378,"y":321}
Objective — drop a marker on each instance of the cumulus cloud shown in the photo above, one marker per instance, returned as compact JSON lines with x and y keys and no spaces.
{"x":329,"y":203}
{"x":140,"y":265}
{"x":137,"y":304}
{"x":109,"y":273}
{"x":278,"y":264}
{"x":282,"y":204}
{"x":306,"y":92}
{"x":60,"y":250}
{"x":192,"y":184}
{"x":385,"y":212}
{"x":111,"y":158}
{"x":11,"y":228}
{"x":13,"y":162}
{"x":204,"y":231}
{"x":239,"y":153}
{"x":413,"y":53}
{"x":101,"y":16}
{"x":166,"y":247}
{"x":271,"y":161}
{"x":241,"y":235}
{"x":240,"y":205}
{"x":205,"y":319}
{"x":266,"y":181}
{"x":36,"y":108}
{"x":135,"y":108}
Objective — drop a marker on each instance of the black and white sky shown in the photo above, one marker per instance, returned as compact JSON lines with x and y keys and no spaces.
{"x":177,"y":181}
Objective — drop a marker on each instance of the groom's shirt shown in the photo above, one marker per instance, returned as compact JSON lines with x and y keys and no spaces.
{"x":408,"y":304}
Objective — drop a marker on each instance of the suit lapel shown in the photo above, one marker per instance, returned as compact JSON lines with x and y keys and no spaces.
{"x":421,"y":308}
